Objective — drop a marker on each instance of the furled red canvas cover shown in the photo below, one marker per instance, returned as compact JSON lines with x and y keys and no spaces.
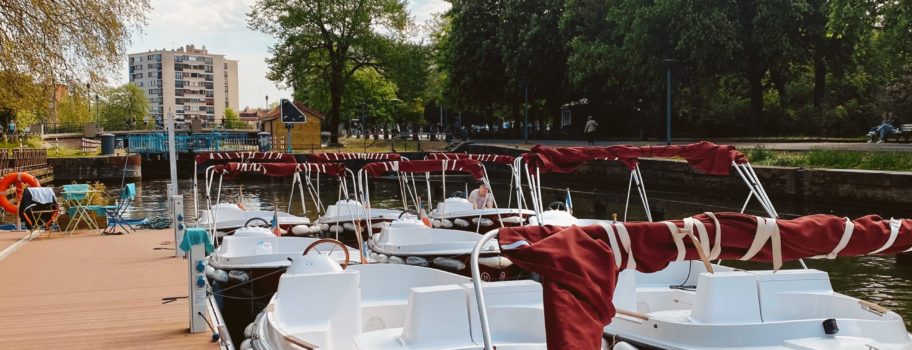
{"x":280,"y":169}
{"x":705,"y":156}
{"x":245,"y":157}
{"x":468,"y":166}
{"x":338,"y":156}
{"x":579,"y":270}
{"x":484,"y":158}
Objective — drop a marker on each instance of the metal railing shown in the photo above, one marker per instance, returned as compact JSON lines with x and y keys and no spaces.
{"x":22,"y":159}
{"x":158,"y":142}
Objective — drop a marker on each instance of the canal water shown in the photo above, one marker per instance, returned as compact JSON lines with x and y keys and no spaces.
{"x":874,"y":278}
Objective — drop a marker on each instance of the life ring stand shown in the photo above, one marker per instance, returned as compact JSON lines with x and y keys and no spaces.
{"x":19,"y":179}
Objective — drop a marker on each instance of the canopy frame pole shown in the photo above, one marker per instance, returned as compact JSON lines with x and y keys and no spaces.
{"x":510,"y":192}
{"x":536,"y":205}
{"x":427,"y":182}
{"x":443,"y":179}
{"x":479,"y":295}
{"x":750,"y":194}
{"x":762,"y":190}
{"x":487,"y":183}
{"x":755,"y":189}
{"x":642,"y":188}
{"x":629,"y":189}
{"x":294,"y":182}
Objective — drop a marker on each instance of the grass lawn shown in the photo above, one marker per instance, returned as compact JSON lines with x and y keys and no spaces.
{"x":381,"y":145}
{"x":832,"y":159}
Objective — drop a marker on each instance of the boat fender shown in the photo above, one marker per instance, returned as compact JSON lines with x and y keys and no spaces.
{"x":220,"y":276}
{"x":315,"y":229}
{"x":449,"y":264}
{"x":248,"y":331}
{"x":247,"y":344}
{"x":461,"y":223}
{"x":484,"y":221}
{"x":416,"y":260}
{"x":238,"y":275}
{"x":396,"y":260}
{"x":210,"y":272}
{"x":446,"y":223}
{"x":435,"y":223}
{"x":513,"y":220}
{"x":623,"y":346}
{"x":350,"y":227}
{"x":324,"y":227}
{"x":300,"y":230}
{"x":382,"y":258}
{"x":335,"y":229}
{"x":495,"y":262}
{"x":380,"y":224}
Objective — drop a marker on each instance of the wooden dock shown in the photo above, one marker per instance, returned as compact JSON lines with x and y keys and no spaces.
{"x":88,"y":291}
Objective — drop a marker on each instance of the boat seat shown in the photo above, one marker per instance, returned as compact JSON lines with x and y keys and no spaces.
{"x":507,"y":302}
{"x":726,"y":298}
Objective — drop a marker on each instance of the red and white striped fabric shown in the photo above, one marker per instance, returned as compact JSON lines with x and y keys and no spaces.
{"x":704,"y":156}
{"x":468,"y":166}
{"x":579,"y":265}
{"x":484,"y":158}
{"x":245,"y":157}
{"x":338,"y":156}
{"x":280,"y":169}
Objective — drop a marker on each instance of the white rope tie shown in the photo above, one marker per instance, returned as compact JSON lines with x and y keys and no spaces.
{"x":767,"y":230}
{"x":690,"y":224}
{"x":678,"y":237}
{"x":717,"y":247}
{"x":843,"y":242}
{"x":625,"y":241}
{"x":894,"y":231}
{"x":612,"y":240}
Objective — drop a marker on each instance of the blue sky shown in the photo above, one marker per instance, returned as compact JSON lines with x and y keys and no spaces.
{"x":222,"y":27}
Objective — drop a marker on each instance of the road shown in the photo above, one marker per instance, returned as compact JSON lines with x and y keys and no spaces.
{"x":783,"y":146}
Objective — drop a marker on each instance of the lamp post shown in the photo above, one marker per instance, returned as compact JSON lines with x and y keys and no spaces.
{"x":526,"y":112}
{"x":668,"y":63}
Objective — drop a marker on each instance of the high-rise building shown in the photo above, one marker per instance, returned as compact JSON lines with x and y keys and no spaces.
{"x":189,"y":82}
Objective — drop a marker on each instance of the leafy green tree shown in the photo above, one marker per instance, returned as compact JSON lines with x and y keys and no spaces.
{"x":124,"y":108}
{"x":232,"y":121}
{"x":476,"y":78}
{"x":326,"y":41}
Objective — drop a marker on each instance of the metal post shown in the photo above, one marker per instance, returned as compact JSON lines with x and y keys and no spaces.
{"x":669,"y":63}
{"x":177,"y":216}
{"x":288,"y":139}
{"x":196,"y":273}
{"x":526,"y":114}
{"x":172,"y":154}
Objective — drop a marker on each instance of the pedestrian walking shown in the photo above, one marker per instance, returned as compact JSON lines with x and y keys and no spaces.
{"x":589,"y":130}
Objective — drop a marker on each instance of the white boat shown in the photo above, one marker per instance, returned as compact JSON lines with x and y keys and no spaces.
{"x":390,"y":306}
{"x":411,"y":242}
{"x":458,"y":213}
{"x":229,"y":217}
{"x":244,"y":270}
{"x":342,"y":216}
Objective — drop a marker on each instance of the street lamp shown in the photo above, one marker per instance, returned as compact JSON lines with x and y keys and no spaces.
{"x":669,"y":64}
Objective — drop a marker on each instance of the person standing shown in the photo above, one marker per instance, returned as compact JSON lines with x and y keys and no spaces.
{"x":589,"y":130}
{"x":481,"y":198}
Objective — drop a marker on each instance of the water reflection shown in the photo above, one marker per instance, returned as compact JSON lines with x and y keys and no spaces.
{"x":874,"y":278}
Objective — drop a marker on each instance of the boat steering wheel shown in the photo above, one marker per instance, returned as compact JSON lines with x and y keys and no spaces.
{"x":334,"y":243}
{"x":408,"y":211}
{"x":265,"y":223}
{"x":557,"y":206}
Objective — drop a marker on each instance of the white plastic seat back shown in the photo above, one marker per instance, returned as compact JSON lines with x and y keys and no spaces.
{"x":726,"y":298}
{"x":437,"y":318}
{"x":515,"y":312}
{"x":304,"y":309}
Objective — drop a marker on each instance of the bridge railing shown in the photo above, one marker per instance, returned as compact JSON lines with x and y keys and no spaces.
{"x":158,"y":142}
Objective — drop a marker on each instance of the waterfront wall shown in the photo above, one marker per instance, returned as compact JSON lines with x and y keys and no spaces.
{"x":841,"y":185}
{"x":99,"y":168}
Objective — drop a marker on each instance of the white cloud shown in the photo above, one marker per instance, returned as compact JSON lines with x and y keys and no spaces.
{"x":424,"y":10}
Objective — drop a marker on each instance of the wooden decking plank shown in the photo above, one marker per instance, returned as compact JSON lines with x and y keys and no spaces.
{"x":95,"y":292}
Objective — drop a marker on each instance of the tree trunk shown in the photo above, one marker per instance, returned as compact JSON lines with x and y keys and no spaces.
{"x":336,"y":90}
{"x":820,"y":72}
{"x":755,"y":80}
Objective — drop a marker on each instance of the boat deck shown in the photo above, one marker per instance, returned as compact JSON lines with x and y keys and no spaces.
{"x":88,"y":291}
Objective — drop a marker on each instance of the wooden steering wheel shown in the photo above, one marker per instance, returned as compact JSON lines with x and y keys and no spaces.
{"x":335,"y":244}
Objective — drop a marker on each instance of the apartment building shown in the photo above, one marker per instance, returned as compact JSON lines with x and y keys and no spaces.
{"x":189,"y":81}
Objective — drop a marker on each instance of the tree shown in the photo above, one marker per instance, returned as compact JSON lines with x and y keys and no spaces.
{"x":476,"y":78}
{"x":232,"y":121}
{"x":52,"y":41}
{"x":124,"y":108}
{"x":326,"y":40}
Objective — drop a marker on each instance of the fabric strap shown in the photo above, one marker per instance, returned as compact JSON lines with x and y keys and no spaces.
{"x":894,"y":231}
{"x":767,"y":230}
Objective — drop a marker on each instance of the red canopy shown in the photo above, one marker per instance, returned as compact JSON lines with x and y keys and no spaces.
{"x":469,"y":166}
{"x":705,"y":156}
{"x":246,"y":157}
{"x":335,"y":157}
{"x":579,"y":265}
{"x":280,"y":169}
{"x":484,"y":158}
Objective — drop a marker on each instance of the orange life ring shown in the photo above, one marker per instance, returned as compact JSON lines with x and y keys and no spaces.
{"x":18,"y":179}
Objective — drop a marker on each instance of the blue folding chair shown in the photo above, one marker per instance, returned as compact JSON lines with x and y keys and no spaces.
{"x":115,"y":213}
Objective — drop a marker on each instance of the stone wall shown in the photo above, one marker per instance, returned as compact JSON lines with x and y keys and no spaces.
{"x":98,"y":168}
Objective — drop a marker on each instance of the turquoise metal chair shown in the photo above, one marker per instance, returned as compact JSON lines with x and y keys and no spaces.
{"x":77,"y":198}
{"x":116,"y":212}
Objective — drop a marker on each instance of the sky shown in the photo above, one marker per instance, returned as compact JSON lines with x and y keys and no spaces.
{"x":221,"y":26}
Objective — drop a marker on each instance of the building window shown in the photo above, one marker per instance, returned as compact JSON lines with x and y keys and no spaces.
{"x":141,"y":84}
